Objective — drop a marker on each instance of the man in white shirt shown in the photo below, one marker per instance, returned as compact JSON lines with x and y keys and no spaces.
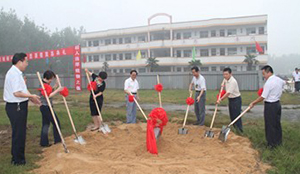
{"x":131,"y":86}
{"x":272,"y":92}
{"x":234,"y":98}
{"x":16,"y":97}
{"x":199,"y":84}
{"x":296,"y":78}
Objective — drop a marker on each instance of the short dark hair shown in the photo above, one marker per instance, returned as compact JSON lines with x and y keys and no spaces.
{"x":18,"y":57}
{"x":296,"y":68}
{"x":103,"y":75}
{"x":49,"y":75}
{"x":228,"y":70}
{"x":195,"y":68}
{"x":267,"y":69}
{"x":132,"y":71}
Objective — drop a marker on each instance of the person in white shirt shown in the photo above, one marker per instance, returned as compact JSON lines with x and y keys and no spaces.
{"x":296,"y":78}
{"x":16,"y":97}
{"x":234,"y":98}
{"x":199,"y":84}
{"x":272,"y":92}
{"x":131,"y":86}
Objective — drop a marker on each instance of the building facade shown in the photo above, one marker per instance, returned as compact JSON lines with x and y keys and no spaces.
{"x":219,"y":43}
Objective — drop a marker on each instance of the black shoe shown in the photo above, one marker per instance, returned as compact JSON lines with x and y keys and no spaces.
{"x":21,"y":163}
{"x":197,"y":123}
{"x":48,"y":145}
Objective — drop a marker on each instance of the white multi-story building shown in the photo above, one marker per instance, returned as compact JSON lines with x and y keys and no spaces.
{"x":219,"y":43}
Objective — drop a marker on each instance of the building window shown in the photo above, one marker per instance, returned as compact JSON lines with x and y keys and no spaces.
{"x":114,"y":56}
{"x":143,"y":54}
{"x":114,"y":70}
{"x":90,"y":58}
{"x":114,"y":41}
{"x":261,"y":30}
{"x":142,"y":70}
{"x":232,"y":51}
{"x":120,"y":40}
{"x":178,"y":35}
{"x":187,"y":53}
{"x":203,"y":52}
{"x":213,"y":52}
{"x":222,"y":51}
{"x":141,"y":39}
{"x":89,"y":43}
{"x":251,"y":50}
{"x":127,"y":70}
{"x":96,"y":43}
{"x":178,"y":53}
{"x":251,"y":31}
{"x":120,"y":56}
{"x":203,"y":34}
{"x":107,"y":57}
{"x":107,"y":41}
{"x":186,"y":69}
{"x":187,"y":35}
{"x":128,"y":40}
{"x":222,"y":33}
{"x":204,"y":68}
{"x":128,"y":56}
{"x":178,"y":69}
{"x":96,"y":58}
{"x":213,"y":33}
{"x":213,"y":68}
{"x":121,"y":71}
{"x":231,"y":32}
{"x":222,"y":68}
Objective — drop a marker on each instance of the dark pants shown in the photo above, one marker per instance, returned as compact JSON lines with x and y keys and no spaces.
{"x":200,"y":107}
{"x":235,"y":107}
{"x":272,"y":114}
{"x":47,"y":118}
{"x":297,"y":86}
{"x":18,"y":119}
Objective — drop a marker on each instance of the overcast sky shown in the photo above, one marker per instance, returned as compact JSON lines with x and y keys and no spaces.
{"x":95,"y":15}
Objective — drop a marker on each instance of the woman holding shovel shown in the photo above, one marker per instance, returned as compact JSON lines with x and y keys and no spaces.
{"x":45,"y":110}
{"x":100,"y":87}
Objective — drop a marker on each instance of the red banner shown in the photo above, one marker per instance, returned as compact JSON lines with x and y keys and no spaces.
{"x":74,"y":50}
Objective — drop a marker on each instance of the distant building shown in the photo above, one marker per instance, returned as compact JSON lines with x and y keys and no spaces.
{"x":218,"y":42}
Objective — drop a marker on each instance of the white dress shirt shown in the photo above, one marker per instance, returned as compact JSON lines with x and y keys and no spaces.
{"x":199,"y":83}
{"x":273,"y":89}
{"x":14,"y":82}
{"x":232,"y":87}
{"x":296,"y":76}
{"x":131,"y":85}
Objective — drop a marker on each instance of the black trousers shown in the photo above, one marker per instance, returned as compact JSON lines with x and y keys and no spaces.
{"x":17,"y":114}
{"x":235,"y":107}
{"x":297,"y":86}
{"x":46,"y":120}
{"x":272,"y":114}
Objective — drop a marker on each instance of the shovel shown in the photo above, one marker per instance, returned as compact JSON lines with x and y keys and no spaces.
{"x":184,"y":130}
{"x":52,"y":113}
{"x":159,"y":94}
{"x":78,"y":139}
{"x":210,"y":133}
{"x":103,"y":127}
{"x":226,"y":129}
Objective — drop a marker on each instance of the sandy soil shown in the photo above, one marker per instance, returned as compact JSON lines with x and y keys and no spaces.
{"x":124,"y":151}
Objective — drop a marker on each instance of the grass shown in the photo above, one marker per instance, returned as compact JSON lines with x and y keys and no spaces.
{"x":285,"y":159}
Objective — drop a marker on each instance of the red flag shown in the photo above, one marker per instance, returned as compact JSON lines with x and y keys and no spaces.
{"x":258,"y":48}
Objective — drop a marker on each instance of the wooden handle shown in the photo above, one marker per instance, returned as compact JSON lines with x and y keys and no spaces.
{"x":236,"y":119}
{"x":159,"y":93}
{"x":52,"y":112}
{"x":186,"y":113}
{"x":100,"y":116}
{"x":68,"y":111}
{"x":139,"y":107}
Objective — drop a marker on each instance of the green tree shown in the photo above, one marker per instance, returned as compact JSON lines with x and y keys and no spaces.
{"x":105,"y":66}
{"x":251,"y":60}
{"x":152,"y":63}
{"x":193,"y":63}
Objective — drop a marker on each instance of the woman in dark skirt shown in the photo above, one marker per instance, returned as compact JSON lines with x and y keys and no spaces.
{"x":98,"y":95}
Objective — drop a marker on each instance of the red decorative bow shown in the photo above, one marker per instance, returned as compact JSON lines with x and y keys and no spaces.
{"x":92,"y":85}
{"x":190,"y":101}
{"x":48,"y":89}
{"x":159,"y":87}
{"x":64,"y":92}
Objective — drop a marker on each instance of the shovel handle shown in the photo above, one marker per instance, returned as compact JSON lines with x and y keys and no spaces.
{"x":235,"y":120}
{"x":159,"y":93}
{"x":52,"y":113}
{"x":186,"y":113}
{"x":139,"y":107}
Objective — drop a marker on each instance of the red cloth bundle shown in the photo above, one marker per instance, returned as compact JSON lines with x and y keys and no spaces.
{"x":222,"y":94}
{"x":131,"y":98}
{"x":48,"y":89}
{"x":64,"y":92}
{"x":159,"y":114}
{"x":190,"y":101}
{"x":260,"y":91}
{"x":92,"y":85}
{"x":150,"y":138}
{"x":159,"y":87}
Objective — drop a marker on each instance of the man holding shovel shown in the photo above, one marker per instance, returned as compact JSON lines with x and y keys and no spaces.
{"x":131,"y":87}
{"x":16,"y":97}
{"x":234,"y":98}
{"x":199,"y":84}
{"x":272,"y":92}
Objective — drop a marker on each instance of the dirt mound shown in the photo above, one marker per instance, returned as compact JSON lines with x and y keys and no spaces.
{"x":124,"y":151}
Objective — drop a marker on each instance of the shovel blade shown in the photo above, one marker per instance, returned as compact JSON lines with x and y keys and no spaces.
{"x":79,"y":140}
{"x":183,"y":131}
{"x":103,"y":130}
{"x":157,"y":133}
{"x":209,"y":134}
{"x":106,"y":128}
{"x":224,"y":133}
